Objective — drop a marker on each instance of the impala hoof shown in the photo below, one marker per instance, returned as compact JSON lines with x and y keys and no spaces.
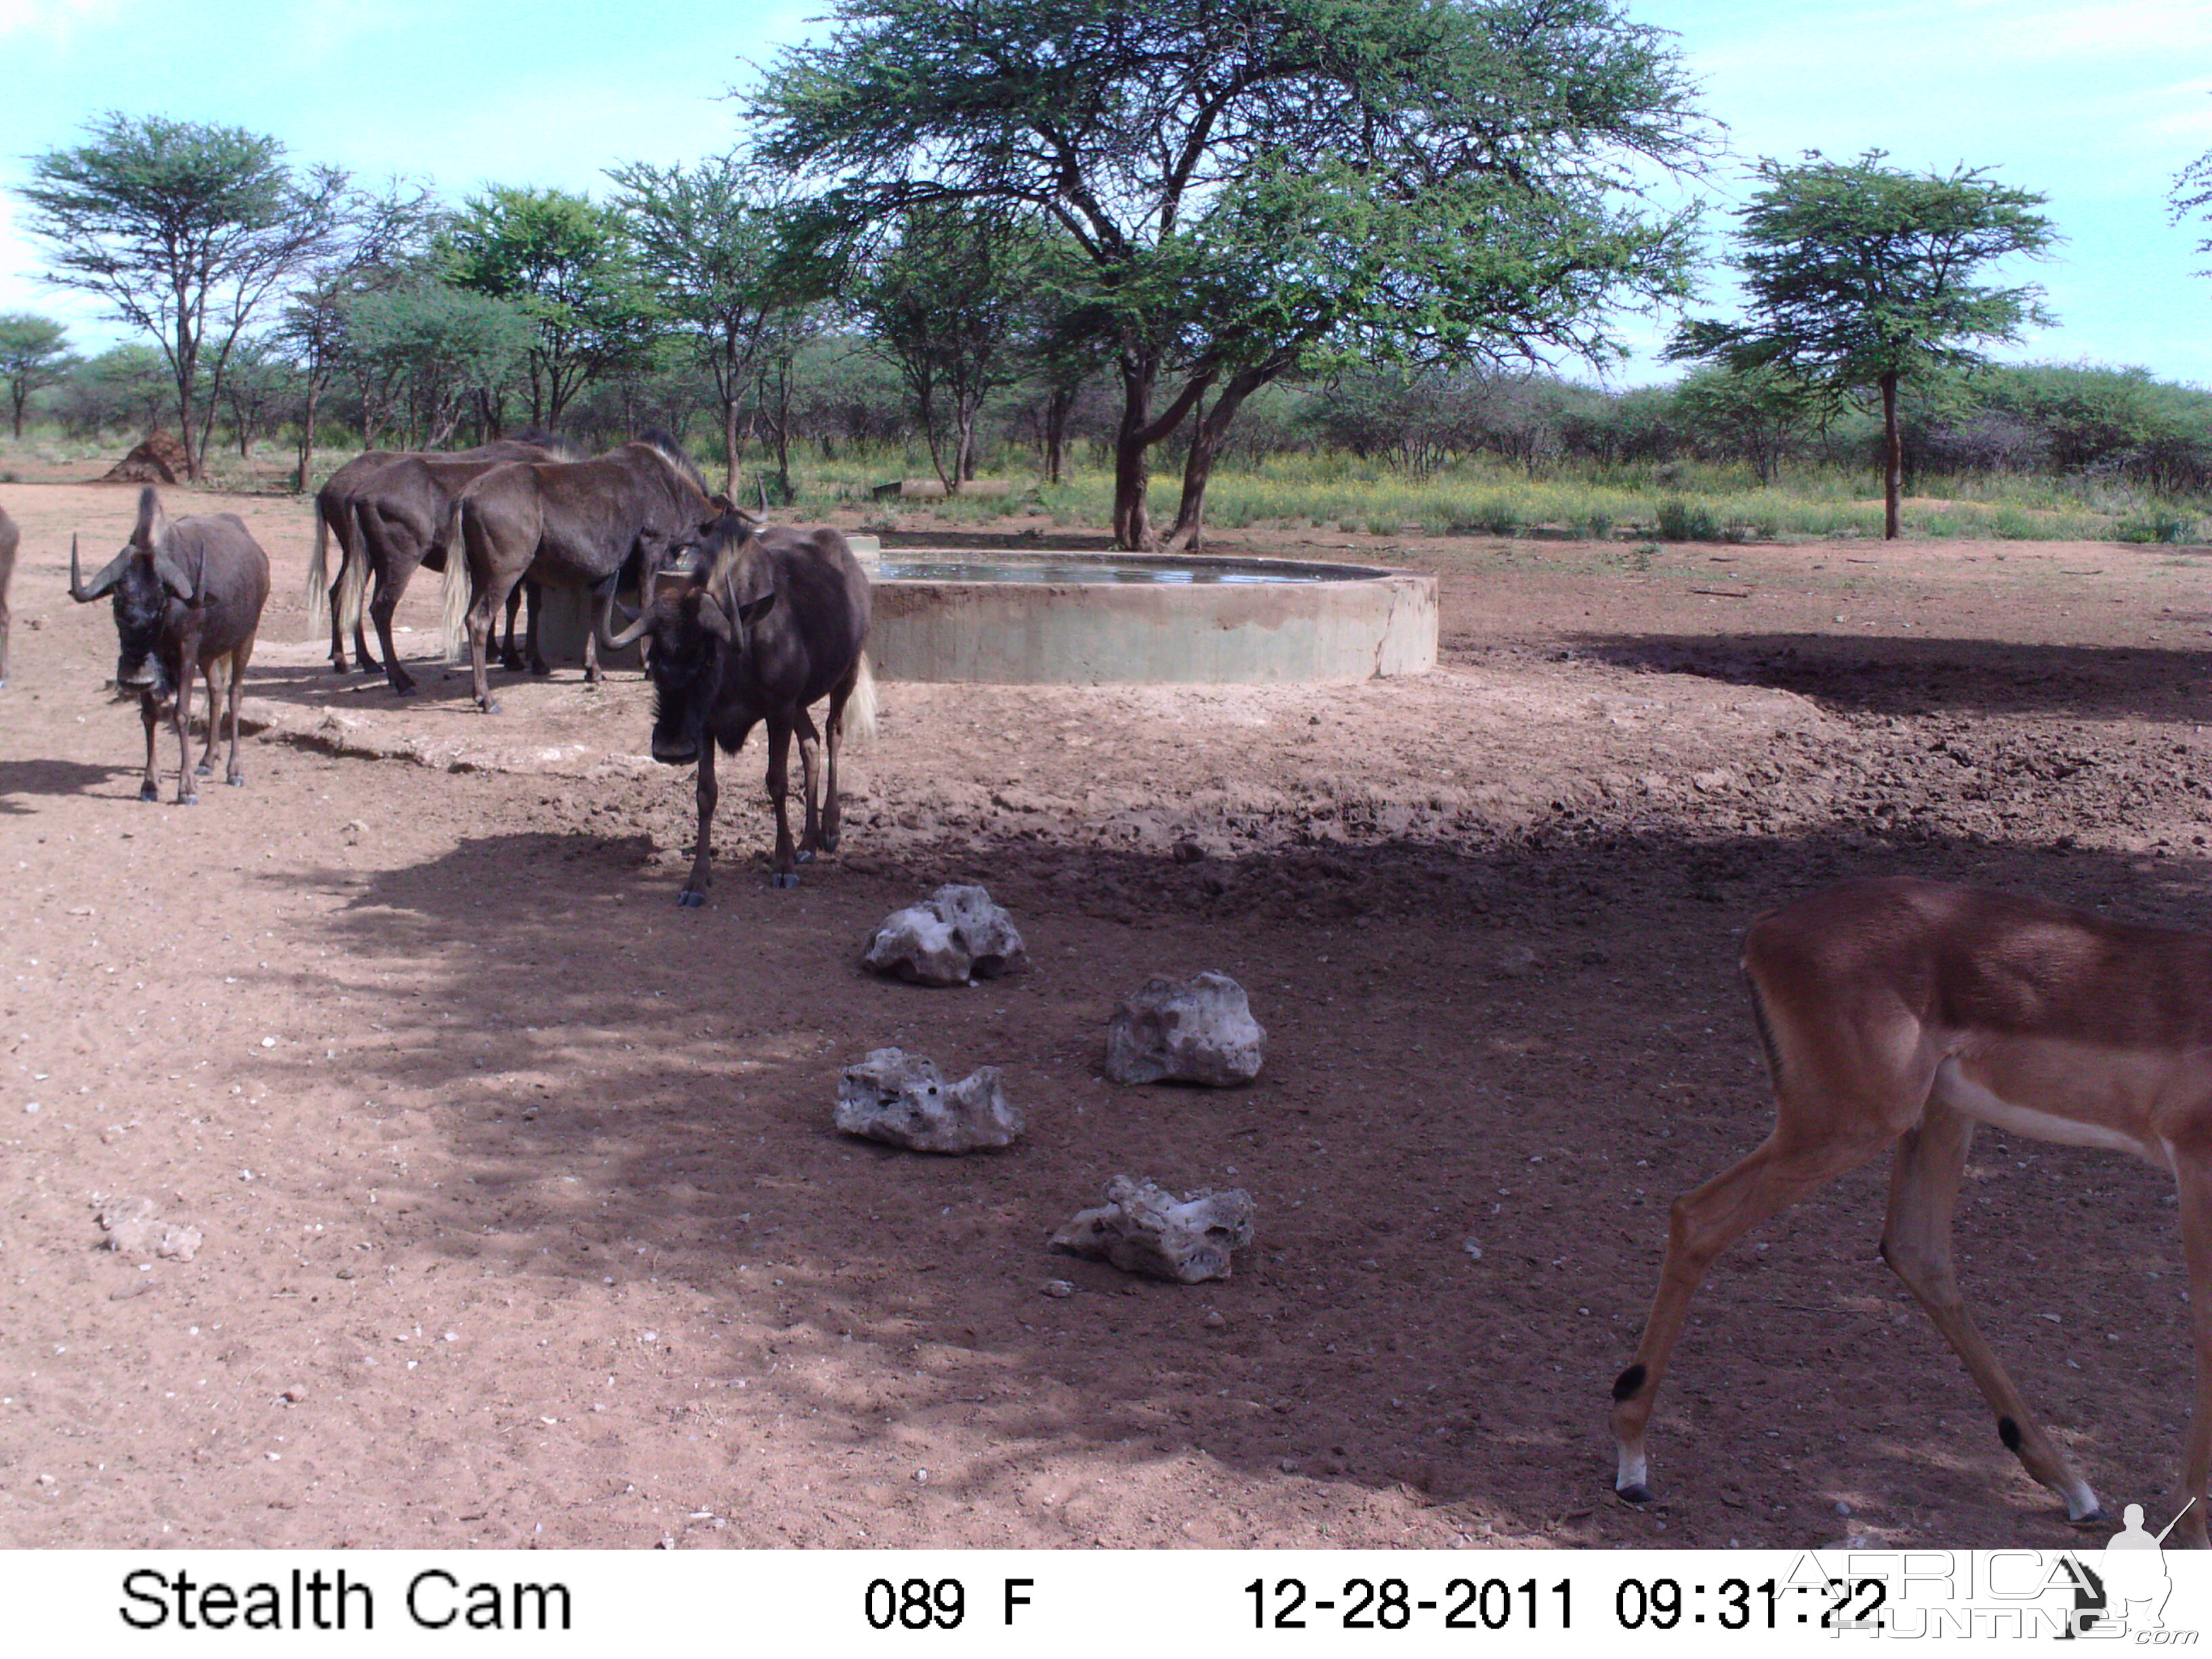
{"x":688,"y":900}
{"x":2095,"y":1517}
{"x":784,"y":878}
{"x":1638,"y":1494}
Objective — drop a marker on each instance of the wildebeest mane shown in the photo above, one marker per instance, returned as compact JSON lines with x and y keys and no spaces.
{"x":665,"y":443}
{"x":559,"y":445}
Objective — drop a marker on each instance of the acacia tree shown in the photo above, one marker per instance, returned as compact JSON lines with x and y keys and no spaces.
{"x":33,"y":353}
{"x":1257,"y":183}
{"x":1858,"y":276}
{"x":716,"y":244}
{"x":568,"y":262}
{"x":418,"y":350}
{"x":186,"y":230}
{"x":946,"y":301}
{"x":377,"y":238}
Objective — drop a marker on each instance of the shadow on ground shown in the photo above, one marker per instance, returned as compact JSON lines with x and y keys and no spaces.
{"x":1489,"y":1070}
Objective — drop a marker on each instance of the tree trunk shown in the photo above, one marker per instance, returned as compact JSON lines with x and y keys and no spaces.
{"x":1057,"y":408}
{"x":730,"y":445}
{"x":1892,"y":462}
{"x":1133,"y":524}
{"x":306,"y":442}
{"x":1189,"y":533}
{"x":18,"y":393}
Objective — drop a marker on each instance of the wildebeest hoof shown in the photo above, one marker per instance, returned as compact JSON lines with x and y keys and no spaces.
{"x":1636,"y":1494}
{"x":2094,"y":1518}
{"x":188,"y":801}
{"x":829,"y":840}
{"x":784,"y":878}
{"x":407,"y":691}
{"x":690,"y":899}
{"x":804,"y":855}
{"x":541,"y":669}
{"x":490,"y":705}
{"x":148,"y":792}
{"x":235,"y":780}
{"x":204,"y":770}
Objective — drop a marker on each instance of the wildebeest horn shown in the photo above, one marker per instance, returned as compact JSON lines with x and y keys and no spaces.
{"x":714,"y":619}
{"x":103,"y":583}
{"x":629,"y":635}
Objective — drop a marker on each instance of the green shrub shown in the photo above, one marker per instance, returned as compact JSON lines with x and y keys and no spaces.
{"x":1688,"y":521}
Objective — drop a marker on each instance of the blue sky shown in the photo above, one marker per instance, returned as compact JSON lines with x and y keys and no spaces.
{"x":2096,"y":103}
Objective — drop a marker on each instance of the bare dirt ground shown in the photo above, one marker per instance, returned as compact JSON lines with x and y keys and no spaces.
{"x":523,"y":1222}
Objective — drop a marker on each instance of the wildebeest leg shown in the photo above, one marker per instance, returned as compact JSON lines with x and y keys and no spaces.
{"x":531,"y":653}
{"x":839,"y":694}
{"x":392,"y":554}
{"x":702,"y":853}
{"x":206,"y":768}
{"x":188,"y":793}
{"x":784,"y":872}
{"x":509,"y":657}
{"x":481,"y":613}
{"x":810,"y":758}
{"x":150,"y":787}
{"x":235,"y":774}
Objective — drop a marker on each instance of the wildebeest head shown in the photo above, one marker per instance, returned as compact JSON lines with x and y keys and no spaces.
{"x":144,"y":577}
{"x":695,"y":621}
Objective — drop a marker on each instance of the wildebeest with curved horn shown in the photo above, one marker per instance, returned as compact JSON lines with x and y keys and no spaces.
{"x":188,"y":595}
{"x":571,"y":524}
{"x":754,"y":626}
{"x":360,"y":479}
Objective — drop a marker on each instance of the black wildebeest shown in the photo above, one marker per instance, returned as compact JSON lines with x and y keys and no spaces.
{"x":755,"y":626}
{"x":400,"y":519}
{"x":9,"y":536}
{"x":357,"y":481}
{"x":188,"y":598}
{"x":570,"y":524}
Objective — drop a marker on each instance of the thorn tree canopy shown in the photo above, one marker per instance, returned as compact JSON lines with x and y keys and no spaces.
{"x":570,"y":264}
{"x":185,"y":229}
{"x":33,"y":353}
{"x":1857,"y":275}
{"x":1255,"y":184}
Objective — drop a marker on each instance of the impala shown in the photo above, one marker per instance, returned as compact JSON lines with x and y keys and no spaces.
{"x":1906,"y":1012}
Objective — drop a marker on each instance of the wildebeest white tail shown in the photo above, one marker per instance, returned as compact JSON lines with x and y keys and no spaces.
{"x":353,"y":579}
{"x":453,"y":597}
{"x":319,"y":580}
{"x":860,"y":707}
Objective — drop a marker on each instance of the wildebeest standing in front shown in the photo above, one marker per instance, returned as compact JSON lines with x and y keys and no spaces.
{"x":756,"y":627}
{"x":9,"y":536}
{"x":359,"y":481}
{"x":188,"y":596}
{"x":571,"y":524}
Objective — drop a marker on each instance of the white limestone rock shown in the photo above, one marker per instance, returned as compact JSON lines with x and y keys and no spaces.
{"x":954,"y":935}
{"x":1142,"y":1228}
{"x":1200,"y":1031}
{"x":903,"y":1099}
{"x":132,"y":1229}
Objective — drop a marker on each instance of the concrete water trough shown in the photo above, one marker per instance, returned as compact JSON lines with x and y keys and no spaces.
{"x":1046,"y":617}
{"x":1039,"y":616}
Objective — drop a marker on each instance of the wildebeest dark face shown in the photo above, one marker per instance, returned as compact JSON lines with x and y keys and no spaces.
{"x":694,"y":639}
{"x":140,"y":600}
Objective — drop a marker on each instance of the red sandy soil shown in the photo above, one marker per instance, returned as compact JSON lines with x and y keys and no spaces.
{"x":523,"y":1221}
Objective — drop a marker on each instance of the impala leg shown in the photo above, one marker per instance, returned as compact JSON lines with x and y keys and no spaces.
{"x":1702,"y":1224}
{"x":1916,"y":1242}
{"x":810,"y":765}
{"x":702,"y":852}
{"x":784,"y":872}
{"x":2193,"y":1178}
